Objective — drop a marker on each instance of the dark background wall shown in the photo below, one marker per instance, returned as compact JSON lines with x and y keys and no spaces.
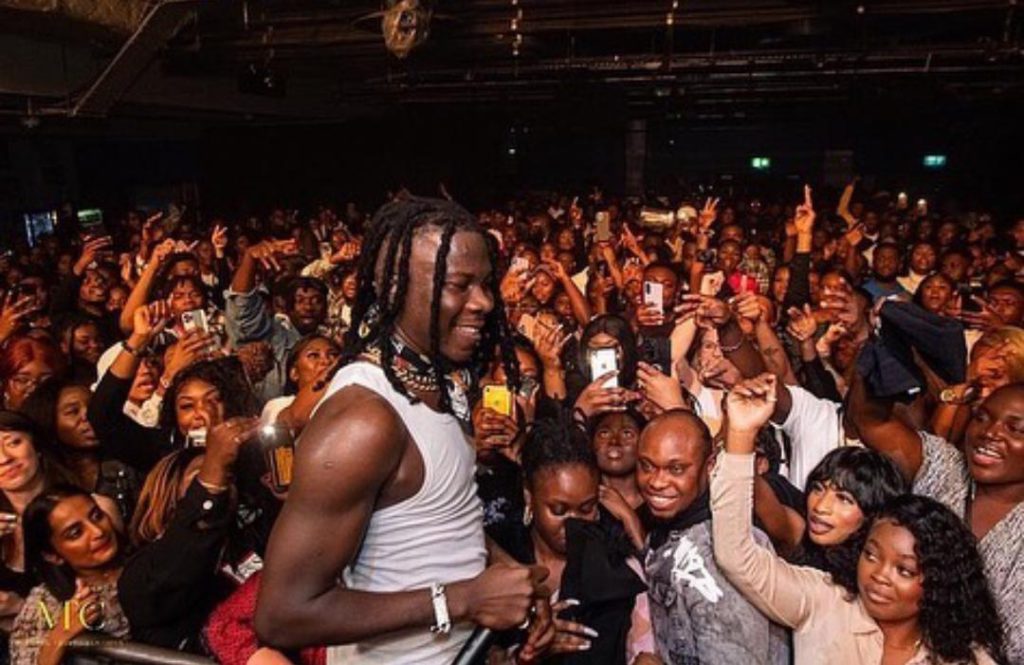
{"x":484,"y":154}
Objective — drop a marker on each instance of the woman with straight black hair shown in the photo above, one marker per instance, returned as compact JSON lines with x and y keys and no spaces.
{"x":845,"y":491}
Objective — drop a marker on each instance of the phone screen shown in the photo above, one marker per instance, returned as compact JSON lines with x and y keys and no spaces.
{"x":603,"y":361}
{"x":604,"y":227}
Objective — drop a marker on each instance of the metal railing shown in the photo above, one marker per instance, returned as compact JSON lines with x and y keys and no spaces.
{"x":93,"y":649}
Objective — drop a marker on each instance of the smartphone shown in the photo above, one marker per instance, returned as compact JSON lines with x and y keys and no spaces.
{"x":604,"y":227}
{"x":498,"y":398}
{"x":195,"y":319}
{"x":8,"y":517}
{"x":657,"y":352}
{"x":196,"y":438}
{"x":279,"y":444}
{"x":527,"y":326}
{"x":747,"y":284}
{"x":967,"y":303}
{"x":603,"y":361}
{"x":654,"y":295}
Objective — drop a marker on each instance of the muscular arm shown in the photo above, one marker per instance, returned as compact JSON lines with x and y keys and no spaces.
{"x":319,"y":531}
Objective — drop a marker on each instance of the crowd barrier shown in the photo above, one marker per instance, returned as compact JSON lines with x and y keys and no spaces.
{"x":98,"y":650}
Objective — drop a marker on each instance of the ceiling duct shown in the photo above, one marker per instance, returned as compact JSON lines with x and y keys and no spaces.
{"x":119,"y":15}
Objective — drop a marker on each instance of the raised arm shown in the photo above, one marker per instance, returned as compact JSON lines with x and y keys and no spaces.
{"x":139,"y":295}
{"x":785,"y":593}
{"x":338,"y":479}
{"x":580,"y":307}
{"x":878,"y":429}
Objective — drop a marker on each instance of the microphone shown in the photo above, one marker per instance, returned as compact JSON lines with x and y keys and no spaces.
{"x":479,"y":640}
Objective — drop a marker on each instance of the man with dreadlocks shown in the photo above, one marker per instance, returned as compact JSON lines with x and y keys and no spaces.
{"x":384,"y":495}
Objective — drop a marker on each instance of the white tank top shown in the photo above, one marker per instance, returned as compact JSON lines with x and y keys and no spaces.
{"x":437,"y":535}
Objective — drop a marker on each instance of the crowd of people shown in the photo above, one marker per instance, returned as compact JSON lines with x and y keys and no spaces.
{"x":693,"y":431}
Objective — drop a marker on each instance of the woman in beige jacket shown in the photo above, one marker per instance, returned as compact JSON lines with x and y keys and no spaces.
{"x":920,"y":596}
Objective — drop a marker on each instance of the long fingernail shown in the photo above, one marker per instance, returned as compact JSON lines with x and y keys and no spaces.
{"x":584,"y":647}
{"x":590,"y":632}
{"x":571,"y":602}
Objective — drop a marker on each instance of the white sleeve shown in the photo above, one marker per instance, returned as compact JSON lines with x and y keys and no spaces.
{"x":814,"y":429}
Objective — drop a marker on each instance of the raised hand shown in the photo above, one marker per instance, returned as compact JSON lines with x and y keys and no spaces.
{"x":346,"y":253}
{"x":596,"y":399}
{"x":708,"y":312}
{"x":148,"y":321}
{"x":985,"y":318}
{"x":662,"y":390}
{"x":223,"y":441}
{"x":750,"y":404}
{"x":163,"y":250}
{"x":548,"y":342}
{"x":747,"y":306}
{"x":219,"y":239}
{"x":708,"y":214}
{"x":802,"y":324}
{"x":266,"y":252}
{"x":516,"y":283}
{"x":804,"y":220}
{"x":14,"y":312}
{"x":92,"y":248}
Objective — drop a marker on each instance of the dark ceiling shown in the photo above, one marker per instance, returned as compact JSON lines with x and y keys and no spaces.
{"x":700,"y":59}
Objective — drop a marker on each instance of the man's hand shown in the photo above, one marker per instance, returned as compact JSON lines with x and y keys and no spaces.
{"x":750,"y":404}
{"x":499,"y":598}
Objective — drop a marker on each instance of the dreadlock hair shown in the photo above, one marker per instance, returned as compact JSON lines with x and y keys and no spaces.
{"x":383,"y":285}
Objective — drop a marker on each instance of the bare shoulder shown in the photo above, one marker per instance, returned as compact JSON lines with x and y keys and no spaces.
{"x":356,"y":441}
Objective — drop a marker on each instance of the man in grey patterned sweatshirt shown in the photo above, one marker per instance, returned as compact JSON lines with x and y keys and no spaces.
{"x":698,"y":617}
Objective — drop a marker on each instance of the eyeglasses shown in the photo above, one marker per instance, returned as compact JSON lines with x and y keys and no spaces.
{"x":27,"y":382}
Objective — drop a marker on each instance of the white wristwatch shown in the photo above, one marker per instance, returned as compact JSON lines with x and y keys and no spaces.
{"x":442,"y":621}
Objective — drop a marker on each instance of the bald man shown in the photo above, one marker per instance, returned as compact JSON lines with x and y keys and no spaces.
{"x":698,"y":616}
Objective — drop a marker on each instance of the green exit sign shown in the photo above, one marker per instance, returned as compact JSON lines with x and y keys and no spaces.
{"x":761,"y":163}
{"x":934,"y":161}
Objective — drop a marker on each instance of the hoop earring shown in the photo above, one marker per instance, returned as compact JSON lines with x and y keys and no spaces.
{"x":527,"y":516}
